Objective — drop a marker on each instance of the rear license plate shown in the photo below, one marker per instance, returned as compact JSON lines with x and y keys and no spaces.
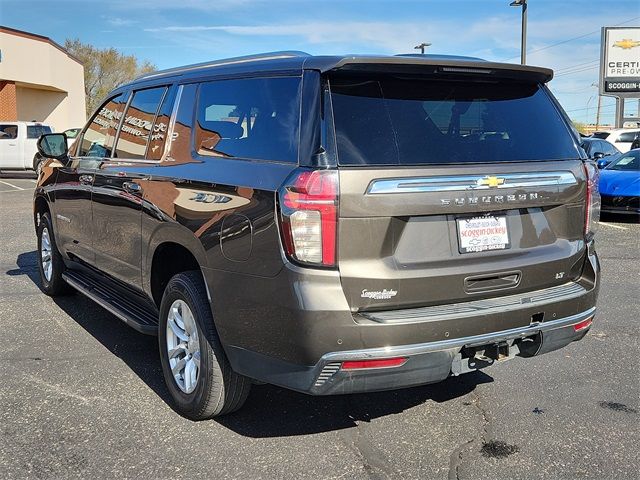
{"x":479,"y":234}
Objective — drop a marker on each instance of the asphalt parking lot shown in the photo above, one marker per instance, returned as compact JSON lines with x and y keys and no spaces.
{"x":82,"y":396}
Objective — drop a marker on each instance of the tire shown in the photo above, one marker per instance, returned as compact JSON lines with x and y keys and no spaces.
{"x":216,"y":389}
{"x":37,"y":163}
{"x":50,"y":263}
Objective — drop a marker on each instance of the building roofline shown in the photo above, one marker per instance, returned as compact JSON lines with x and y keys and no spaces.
{"x":40,"y":38}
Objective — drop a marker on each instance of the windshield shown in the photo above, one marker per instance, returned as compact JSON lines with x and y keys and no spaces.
{"x":398,"y":121}
{"x":629,"y":161}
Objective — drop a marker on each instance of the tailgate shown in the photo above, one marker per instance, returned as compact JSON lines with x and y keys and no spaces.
{"x":401,"y":232}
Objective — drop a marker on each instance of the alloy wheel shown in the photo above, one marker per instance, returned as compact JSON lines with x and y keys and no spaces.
{"x":183,"y":346}
{"x":45,"y":254}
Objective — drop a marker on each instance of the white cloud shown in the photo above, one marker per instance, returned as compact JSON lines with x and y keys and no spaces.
{"x":121,"y":22}
{"x":494,"y":38}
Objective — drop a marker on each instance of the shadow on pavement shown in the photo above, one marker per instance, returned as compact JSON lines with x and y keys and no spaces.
{"x":274,"y":412}
{"x":27,"y":265}
{"x":619,"y":217}
{"x":270,"y":411}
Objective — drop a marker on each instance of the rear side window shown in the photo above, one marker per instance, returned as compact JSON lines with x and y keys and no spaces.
{"x":8,"y":132}
{"x":138,"y":123}
{"x":98,"y":138}
{"x":390,"y":121}
{"x":254,"y":118}
{"x":627,"y":137}
{"x":157,"y":142}
{"x":608,"y":149}
{"x":35,"y":131}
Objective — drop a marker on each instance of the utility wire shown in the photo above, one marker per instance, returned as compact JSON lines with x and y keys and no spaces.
{"x":590,"y":107}
{"x":571,"y":39}
{"x":571,"y":67}
{"x":578,"y":70}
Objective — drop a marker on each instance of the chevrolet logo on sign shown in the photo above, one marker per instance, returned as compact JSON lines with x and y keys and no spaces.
{"x":491,"y":182}
{"x":626,"y":44}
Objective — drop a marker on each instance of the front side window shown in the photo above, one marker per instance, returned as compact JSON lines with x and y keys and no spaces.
{"x":138,"y":123}
{"x":420,"y":121}
{"x":98,"y":138}
{"x":35,"y":131}
{"x":8,"y":132}
{"x":250,"y":118}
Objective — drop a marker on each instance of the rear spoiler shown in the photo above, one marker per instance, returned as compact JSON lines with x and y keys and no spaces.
{"x":415,"y":64}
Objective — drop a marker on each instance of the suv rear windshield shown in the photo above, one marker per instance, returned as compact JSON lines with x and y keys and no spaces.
{"x":393,"y":121}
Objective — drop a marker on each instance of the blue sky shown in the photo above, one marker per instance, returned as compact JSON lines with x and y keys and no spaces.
{"x":562,"y":34}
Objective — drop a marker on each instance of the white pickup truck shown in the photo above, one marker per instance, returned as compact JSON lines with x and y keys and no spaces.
{"x":18,"y":150}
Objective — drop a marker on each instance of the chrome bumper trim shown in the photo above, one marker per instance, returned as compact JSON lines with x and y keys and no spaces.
{"x":487,"y":338}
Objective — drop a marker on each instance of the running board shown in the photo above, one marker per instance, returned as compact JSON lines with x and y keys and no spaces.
{"x":135,"y":314}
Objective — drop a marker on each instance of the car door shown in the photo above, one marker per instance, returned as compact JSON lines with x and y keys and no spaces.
{"x":9,"y":146}
{"x":72,"y":205}
{"x":118,"y":192}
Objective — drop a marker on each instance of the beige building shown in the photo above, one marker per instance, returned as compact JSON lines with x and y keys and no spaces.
{"x":40,"y":80}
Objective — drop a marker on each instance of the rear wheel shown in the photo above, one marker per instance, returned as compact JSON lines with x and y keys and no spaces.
{"x":50,"y":263}
{"x":195,"y":367}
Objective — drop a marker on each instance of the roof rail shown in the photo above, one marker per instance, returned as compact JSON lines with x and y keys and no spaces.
{"x":226,"y":61}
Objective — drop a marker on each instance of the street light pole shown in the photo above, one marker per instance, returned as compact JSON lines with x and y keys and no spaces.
{"x":523,"y":40}
{"x":421,"y":47}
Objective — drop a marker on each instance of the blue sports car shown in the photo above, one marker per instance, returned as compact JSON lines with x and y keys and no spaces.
{"x":620,"y":184}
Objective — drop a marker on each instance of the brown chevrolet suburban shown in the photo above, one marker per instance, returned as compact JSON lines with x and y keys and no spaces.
{"x":329,"y":224}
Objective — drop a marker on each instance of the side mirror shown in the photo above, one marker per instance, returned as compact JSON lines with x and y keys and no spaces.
{"x":598,"y":155}
{"x":53,"y":145}
{"x":602,"y":163}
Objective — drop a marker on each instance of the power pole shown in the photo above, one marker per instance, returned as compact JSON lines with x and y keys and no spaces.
{"x":598,"y":112}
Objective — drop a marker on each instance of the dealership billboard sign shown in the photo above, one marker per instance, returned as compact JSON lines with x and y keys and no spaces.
{"x":620,"y":62}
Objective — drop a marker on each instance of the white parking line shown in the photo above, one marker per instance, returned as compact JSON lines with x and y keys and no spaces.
{"x":613,"y":226}
{"x":11,"y":185}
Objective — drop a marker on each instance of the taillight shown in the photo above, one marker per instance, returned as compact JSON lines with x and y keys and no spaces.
{"x":309,"y":216}
{"x":592,"y":207}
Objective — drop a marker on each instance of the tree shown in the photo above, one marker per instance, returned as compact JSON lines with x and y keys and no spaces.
{"x":580,"y":126}
{"x":104,"y":69}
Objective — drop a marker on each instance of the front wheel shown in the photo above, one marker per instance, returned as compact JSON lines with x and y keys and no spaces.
{"x":50,"y":263}
{"x":195,"y":367}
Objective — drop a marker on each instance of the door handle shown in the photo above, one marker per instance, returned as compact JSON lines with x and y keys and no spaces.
{"x":86,"y":179}
{"x":132,"y":187}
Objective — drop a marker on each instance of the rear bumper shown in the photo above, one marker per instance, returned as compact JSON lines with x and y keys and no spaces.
{"x":296,"y":329}
{"x":425,"y":362}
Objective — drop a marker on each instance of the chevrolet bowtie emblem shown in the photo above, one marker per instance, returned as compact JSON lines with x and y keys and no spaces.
{"x":626,"y":44}
{"x":490,"y":182}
